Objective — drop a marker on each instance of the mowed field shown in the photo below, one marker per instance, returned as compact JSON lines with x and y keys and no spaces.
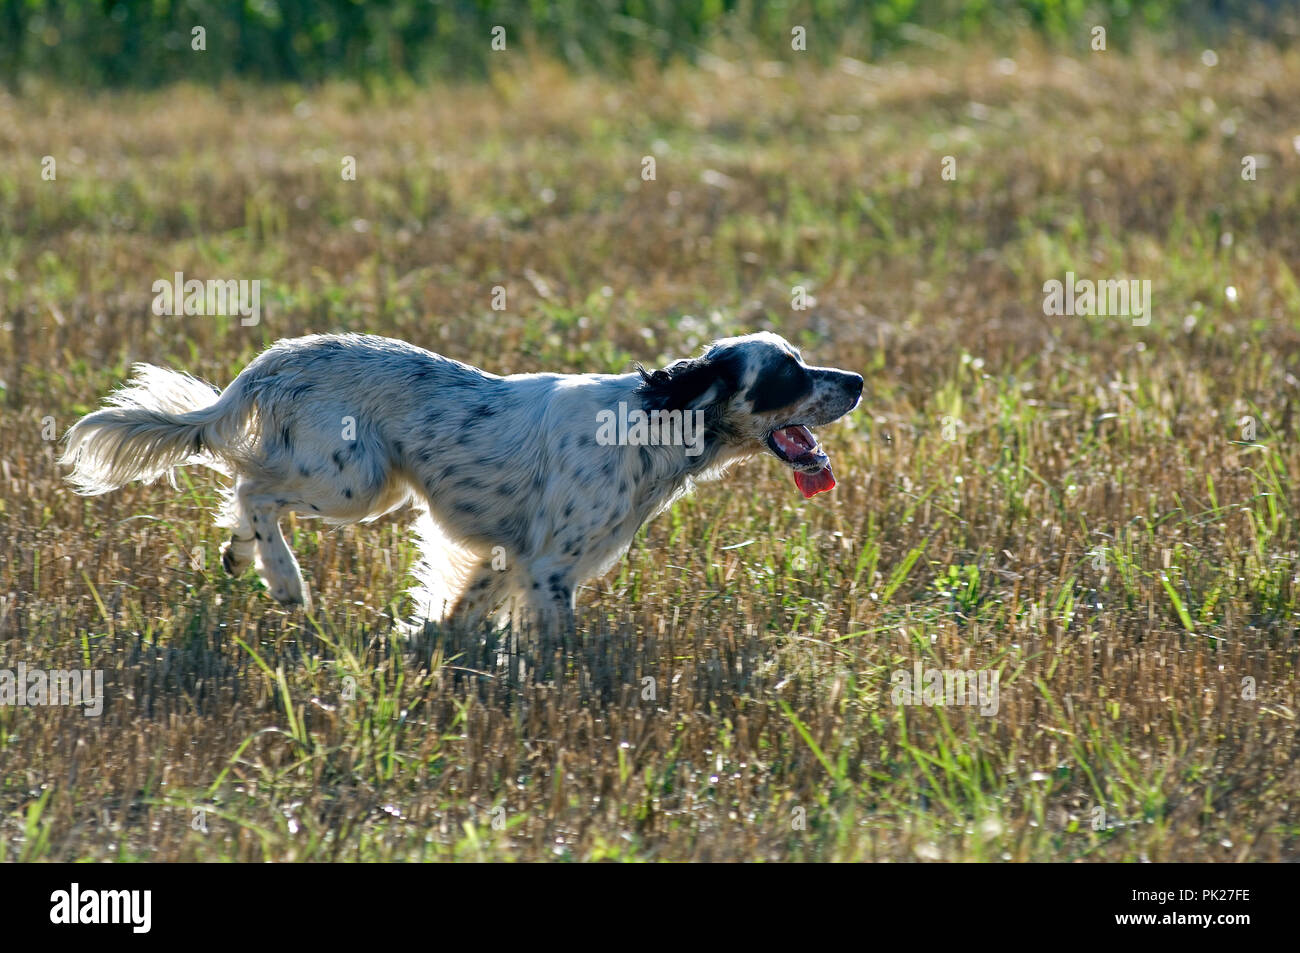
{"x":1076,"y":503}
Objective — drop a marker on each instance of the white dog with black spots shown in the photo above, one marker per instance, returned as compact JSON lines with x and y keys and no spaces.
{"x":518,"y":502}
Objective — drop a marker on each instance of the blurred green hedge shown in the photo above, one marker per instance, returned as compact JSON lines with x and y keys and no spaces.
{"x":147,"y":42}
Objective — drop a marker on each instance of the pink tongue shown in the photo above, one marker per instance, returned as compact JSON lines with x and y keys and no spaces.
{"x":810,"y":484}
{"x":798,"y":442}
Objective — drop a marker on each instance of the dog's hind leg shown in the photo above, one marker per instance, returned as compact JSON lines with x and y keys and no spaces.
{"x":237,"y":553}
{"x":274,"y":558}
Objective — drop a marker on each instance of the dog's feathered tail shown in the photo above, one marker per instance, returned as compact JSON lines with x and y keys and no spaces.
{"x":161,"y":419}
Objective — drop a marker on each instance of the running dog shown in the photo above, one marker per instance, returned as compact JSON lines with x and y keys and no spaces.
{"x":523,"y":485}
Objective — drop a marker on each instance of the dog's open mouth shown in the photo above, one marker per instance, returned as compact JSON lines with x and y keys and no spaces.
{"x":797,"y":447}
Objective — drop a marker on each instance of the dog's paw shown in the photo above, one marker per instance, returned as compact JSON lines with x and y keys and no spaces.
{"x":292,"y":594}
{"x":230,"y":561}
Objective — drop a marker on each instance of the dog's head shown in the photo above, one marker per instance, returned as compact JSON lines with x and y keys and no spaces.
{"x":758,"y":394}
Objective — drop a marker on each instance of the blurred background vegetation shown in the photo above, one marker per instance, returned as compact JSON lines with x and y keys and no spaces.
{"x":149,"y":42}
{"x":1074,"y":503}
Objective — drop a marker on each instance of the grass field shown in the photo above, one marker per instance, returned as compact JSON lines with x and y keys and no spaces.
{"x":1102,"y":513}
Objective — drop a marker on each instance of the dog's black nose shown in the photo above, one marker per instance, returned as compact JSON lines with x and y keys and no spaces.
{"x":854,"y":384}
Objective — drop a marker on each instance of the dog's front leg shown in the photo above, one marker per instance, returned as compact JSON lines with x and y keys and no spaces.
{"x":549,"y":600}
{"x":483,"y":594}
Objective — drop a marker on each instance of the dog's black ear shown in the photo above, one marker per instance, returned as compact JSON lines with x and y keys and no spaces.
{"x":686,"y":383}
